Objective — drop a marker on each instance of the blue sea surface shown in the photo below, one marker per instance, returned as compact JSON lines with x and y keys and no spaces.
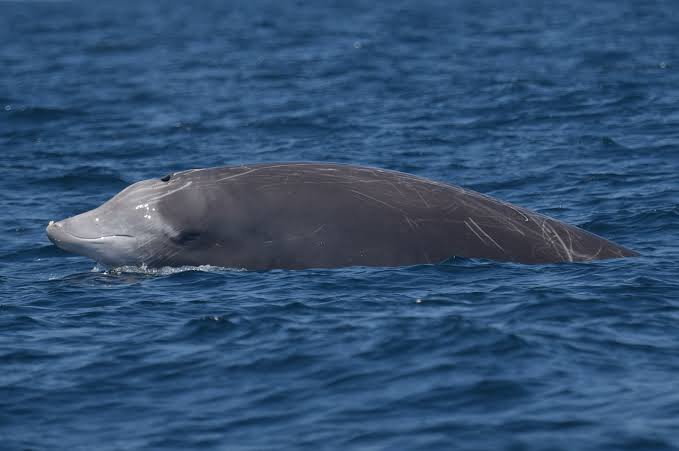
{"x":568,"y":108}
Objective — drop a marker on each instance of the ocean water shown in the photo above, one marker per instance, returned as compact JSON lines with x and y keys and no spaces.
{"x":570,"y":109}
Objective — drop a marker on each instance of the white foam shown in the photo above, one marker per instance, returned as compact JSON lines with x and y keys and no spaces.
{"x":162,"y":271}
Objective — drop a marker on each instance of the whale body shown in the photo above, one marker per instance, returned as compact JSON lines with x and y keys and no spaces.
{"x":313,"y":215}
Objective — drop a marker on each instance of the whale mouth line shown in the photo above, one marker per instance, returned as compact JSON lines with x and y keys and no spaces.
{"x":58,"y":230}
{"x":99,"y":237}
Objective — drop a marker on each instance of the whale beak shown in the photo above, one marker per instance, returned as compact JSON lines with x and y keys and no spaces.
{"x":62,"y":237}
{"x":54,"y":232}
{"x":66,"y":235}
{"x":58,"y":235}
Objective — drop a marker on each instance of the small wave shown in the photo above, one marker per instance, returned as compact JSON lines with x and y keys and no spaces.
{"x":34,"y":253}
{"x":209,"y":326}
{"x":40,"y":113}
{"x":83,"y":176}
{"x":110,"y":46}
{"x":658,"y":219}
{"x":287,"y":123}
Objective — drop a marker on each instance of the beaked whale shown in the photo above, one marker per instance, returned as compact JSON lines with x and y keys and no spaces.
{"x":315,"y":215}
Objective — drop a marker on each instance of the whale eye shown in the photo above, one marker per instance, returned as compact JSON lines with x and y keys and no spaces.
{"x":166,"y":178}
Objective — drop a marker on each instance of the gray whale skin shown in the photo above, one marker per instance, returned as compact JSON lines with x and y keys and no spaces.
{"x":313,"y":215}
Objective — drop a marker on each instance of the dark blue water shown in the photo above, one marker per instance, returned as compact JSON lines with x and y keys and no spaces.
{"x":570,"y":109}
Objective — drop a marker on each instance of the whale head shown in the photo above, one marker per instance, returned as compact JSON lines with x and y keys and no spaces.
{"x":146,"y":223}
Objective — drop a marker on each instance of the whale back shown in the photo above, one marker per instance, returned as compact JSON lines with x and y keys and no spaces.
{"x":302,"y":215}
